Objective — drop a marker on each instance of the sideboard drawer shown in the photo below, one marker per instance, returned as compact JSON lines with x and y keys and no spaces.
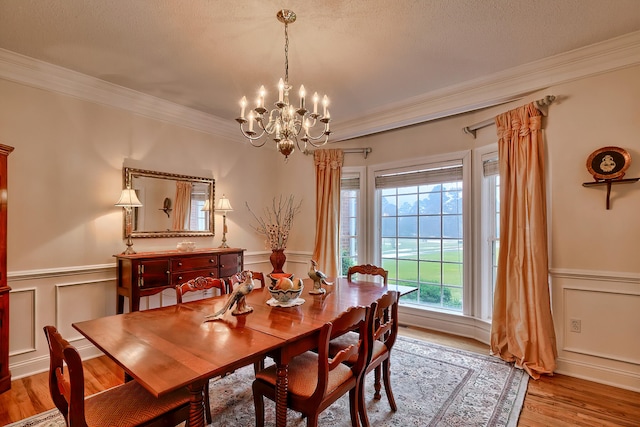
{"x":178,"y":278}
{"x":193,"y":263}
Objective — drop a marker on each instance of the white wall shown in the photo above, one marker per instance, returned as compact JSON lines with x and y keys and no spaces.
{"x":595,"y":273}
{"x":65,"y":175}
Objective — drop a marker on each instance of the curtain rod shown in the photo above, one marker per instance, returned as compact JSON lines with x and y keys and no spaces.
{"x":364,"y":150}
{"x":541,"y":104}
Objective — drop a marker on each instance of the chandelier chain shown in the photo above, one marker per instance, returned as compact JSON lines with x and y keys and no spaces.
{"x":286,"y":53}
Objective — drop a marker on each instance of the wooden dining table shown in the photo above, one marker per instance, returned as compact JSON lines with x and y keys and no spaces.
{"x":171,"y":347}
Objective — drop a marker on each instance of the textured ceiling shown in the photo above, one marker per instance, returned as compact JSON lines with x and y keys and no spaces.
{"x":364,"y":54}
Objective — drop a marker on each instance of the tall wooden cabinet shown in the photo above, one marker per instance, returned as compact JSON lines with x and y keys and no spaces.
{"x":5,"y":375}
{"x":148,"y":273}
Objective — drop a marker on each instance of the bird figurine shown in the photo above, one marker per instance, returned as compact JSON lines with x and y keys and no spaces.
{"x":237,"y":297}
{"x":319,"y":278}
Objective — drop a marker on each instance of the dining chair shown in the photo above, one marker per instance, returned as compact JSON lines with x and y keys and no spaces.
{"x":315,"y":380}
{"x":238,"y":278}
{"x":200,"y":284}
{"x":124,"y":405}
{"x":385,"y":332}
{"x":368,"y":269}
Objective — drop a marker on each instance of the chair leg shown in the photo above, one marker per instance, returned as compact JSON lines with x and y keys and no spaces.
{"x":258,"y":403}
{"x":354,"y":397}
{"x":258,"y":366}
{"x":386,"y":374}
{"x":312,"y":420}
{"x":362,"y":405}
{"x":207,"y":404}
{"x":376,"y":383}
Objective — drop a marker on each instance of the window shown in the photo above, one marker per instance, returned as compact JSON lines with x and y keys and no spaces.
{"x":420,"y":218}
{"x":198,"y":216}
{"x":351,"y":220}
{"x":489,"y":231}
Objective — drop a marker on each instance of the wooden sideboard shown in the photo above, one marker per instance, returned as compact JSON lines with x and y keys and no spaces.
{"x":5,"y":374}
{"x":148,"y":273}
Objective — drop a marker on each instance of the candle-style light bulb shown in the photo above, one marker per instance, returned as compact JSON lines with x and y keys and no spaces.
{"x":243,"y":104}
{"x":315,"y":103}
{"x":251,"y":121}
{"x":261,"y":92}
{"x":280,"y":90}
{"x":302,"y":95}
{"x":325,"y":103}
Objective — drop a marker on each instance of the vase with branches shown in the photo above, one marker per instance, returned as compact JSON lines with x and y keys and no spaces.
{"x":275,"y":225}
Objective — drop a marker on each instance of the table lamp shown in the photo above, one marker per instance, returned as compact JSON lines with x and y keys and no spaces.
{"x":224,"y":206}
{"x":128,"y":200}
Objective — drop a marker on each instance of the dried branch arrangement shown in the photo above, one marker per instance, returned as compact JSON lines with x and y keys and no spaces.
{"x":276,"y":221}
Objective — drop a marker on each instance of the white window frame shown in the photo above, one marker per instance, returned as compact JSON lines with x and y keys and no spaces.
{"x":363,"y":237}
{"x":435,"y":161}
{"x":484,"y":226}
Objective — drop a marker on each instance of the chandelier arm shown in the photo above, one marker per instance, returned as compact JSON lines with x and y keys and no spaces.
{"x":258,"y":145}
{"x":317,"y":145}
{"x":252,"y":138}
{"x":302,"y":150}
{"x":325,"y":133}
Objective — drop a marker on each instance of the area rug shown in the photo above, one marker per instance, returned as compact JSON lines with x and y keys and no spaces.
{"x":433,"y":386}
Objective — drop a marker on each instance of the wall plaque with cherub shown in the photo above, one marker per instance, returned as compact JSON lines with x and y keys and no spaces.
{"x":608,"y":163}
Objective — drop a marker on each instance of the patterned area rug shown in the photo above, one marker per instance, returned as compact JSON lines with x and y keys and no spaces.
{"x":433,"y":386}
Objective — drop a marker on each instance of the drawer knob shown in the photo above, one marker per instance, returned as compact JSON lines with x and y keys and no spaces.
{"x":179,"y":277}
{"x":212,"y":261}
{"x":179,"y":264}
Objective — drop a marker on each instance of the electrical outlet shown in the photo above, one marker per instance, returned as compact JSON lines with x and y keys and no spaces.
{"x":575,"y":325}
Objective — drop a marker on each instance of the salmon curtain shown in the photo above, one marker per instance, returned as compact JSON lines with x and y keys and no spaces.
{"x":522,"y":326}
{"x":328,"y":170}
{"x":183,"y":205}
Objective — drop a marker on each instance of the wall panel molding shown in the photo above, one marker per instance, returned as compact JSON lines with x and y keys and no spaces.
{"x":28,"y":328}
{"x":62,"y":305}
{"x":14,"y":276}
{"x":597,"y":275}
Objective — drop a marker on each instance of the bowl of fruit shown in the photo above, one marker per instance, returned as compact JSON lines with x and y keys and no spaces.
{"x":284,"y":288}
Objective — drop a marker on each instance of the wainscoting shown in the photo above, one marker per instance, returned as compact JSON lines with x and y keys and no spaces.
{"x":606,"y":349}
{"x":597,"y":322}
{"x":63,"y":296}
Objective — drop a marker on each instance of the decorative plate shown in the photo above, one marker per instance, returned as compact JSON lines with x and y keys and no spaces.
{"x":291,"y":303}
{"x":608,"y":163}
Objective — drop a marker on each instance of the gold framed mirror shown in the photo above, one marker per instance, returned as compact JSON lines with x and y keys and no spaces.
{"x":173,"y":205}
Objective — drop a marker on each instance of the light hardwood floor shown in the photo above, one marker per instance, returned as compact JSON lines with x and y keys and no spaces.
{"x":551,"y":401}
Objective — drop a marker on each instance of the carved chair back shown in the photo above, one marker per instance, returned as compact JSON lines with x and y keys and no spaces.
{"x":200,"y":284}
{"x":368,"y":269}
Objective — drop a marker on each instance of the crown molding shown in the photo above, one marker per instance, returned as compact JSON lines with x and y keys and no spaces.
{"x":42,"y":75}
{"x":498,"y":88}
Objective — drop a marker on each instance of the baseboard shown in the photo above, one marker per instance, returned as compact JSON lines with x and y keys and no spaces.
{"x":600,"y":374}
{"x":454,"y":324}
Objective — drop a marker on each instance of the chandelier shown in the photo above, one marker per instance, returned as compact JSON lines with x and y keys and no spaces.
{"x":285,"y":123}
